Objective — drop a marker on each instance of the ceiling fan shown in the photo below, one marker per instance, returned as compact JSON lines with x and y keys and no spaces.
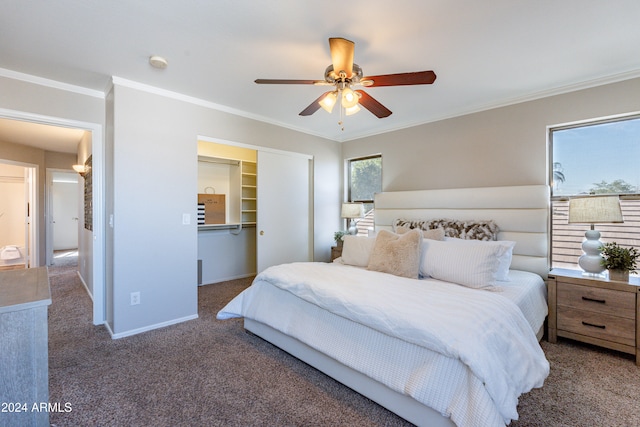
{"x":343,"y":73}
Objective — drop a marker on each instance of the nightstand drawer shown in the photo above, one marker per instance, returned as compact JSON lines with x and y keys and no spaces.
{"x":599,"y":300}
{"x":604,"y":326}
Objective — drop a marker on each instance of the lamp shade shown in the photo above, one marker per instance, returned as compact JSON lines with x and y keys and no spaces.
{"x":595,"y":210}
{"x":352,"y":210}
{"x":349,"y":98}
{"x":352,"y":110}
{"x":329,"y":101}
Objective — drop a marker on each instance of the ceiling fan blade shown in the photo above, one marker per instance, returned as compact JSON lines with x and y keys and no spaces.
{"x":400,"y":79}
{"x":342,"y":55}
{"x":289,"y":82}
{"x":314,"y":106}
{"x":368,"y":102}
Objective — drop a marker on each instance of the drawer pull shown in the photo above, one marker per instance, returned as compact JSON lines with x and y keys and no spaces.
{"x":600,"y":301}
{"x":595,"y":326}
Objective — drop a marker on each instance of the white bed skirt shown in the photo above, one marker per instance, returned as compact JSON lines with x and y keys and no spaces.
{"x":402,"y":405}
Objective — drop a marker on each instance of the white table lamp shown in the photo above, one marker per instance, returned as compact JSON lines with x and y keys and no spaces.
{"x":351,"y":211}
{"x":594,"y":210}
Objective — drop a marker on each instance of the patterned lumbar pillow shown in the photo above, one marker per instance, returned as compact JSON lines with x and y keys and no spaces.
{"x":433,"y":234}
{"x":461,"y":229}
{"x":396,"y":254}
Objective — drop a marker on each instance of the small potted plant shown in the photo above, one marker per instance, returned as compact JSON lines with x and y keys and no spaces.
{"x":338,"y":235}
{"x":619,"y":261}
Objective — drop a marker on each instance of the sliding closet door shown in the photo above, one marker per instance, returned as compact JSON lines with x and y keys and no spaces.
{"x":283,"y":226}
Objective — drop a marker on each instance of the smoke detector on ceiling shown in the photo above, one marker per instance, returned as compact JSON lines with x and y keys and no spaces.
{"x":158,"y":62}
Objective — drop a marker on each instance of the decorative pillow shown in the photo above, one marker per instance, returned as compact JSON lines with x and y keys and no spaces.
{"x":468,"y":230}
{"x":356,"y":250}
{"x":477,"y":265}
{"x":396,"y":254}
{"x":434,"y":234}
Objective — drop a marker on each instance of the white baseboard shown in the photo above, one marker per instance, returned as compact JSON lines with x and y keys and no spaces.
{"x":85,"y":285}
{"x":149,"y":328}
{"x":224,"y":279}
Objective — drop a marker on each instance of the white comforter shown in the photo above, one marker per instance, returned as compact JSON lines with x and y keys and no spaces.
{"x":482,"y":329}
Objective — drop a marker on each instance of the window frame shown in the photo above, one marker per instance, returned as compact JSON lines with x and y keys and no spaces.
{"x":565,"y":198}
{"x":355,"y":159}
{"x":582,"y":124}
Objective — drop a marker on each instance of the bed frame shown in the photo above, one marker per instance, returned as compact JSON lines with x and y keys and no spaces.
{"x":522,"y":214}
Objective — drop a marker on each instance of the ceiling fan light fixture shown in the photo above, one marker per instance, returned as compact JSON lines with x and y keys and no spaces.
{"x":352,"y":110}
{"x":329,"y":101}
{"x":349,"y":98}
{"x":343,"y":74}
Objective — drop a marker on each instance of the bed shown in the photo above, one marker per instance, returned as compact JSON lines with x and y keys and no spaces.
{"x":378,"y":346}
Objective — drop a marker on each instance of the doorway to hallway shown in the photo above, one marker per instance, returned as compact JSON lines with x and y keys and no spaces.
{"x":63,"y":204}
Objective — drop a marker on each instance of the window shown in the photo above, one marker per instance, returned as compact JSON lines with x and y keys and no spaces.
{"x":600,"y":157}
{"x":364,"y":180}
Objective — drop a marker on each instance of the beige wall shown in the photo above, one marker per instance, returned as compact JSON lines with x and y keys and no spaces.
{"x":502,"y":146}
{"x":85,"y":237}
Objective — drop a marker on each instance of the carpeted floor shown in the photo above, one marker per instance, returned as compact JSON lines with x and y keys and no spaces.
{"x":207,"y":372}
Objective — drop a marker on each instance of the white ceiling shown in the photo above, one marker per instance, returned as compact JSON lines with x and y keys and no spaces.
{"x":485,"y":53}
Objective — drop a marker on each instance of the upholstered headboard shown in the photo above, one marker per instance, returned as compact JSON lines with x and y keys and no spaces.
{"x":521,"y":213}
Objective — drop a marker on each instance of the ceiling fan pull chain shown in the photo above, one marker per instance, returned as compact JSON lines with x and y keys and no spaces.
{"x":340,"y":123}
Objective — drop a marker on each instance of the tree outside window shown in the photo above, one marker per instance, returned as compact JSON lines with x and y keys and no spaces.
{"x":365,"y":180}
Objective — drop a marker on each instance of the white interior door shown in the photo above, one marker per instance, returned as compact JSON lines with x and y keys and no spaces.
{"x":64,"y":210}
{"x":284,"y":225}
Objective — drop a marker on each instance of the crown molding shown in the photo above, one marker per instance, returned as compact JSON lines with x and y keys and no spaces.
{"x":207,"y":104}
{"x":50,"y":83}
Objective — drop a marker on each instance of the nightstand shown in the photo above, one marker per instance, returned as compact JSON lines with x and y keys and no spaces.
{"x":336,"y":252}
{"x":597,"y":311}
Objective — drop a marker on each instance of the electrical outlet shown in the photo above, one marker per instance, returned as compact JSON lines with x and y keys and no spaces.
{"x":135,"y":298}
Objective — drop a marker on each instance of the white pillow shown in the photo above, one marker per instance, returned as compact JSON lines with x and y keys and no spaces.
{"x":504,"y":253}
{"x":356,"y":250}
{"x":476,"y":264}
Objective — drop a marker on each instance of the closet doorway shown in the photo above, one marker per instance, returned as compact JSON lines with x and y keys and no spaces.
{"x":268,"y":200}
